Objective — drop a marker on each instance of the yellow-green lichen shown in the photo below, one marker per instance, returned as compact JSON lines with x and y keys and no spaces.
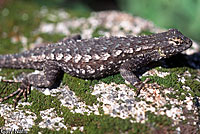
{"x":2,"y":121}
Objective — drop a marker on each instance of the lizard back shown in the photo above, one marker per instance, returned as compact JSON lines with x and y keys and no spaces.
{"x":97,"y":57}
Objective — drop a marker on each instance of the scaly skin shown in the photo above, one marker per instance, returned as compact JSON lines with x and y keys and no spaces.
{"x":94,"y":58}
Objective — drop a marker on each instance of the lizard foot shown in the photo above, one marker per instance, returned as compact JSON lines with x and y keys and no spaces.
{"x":144,"y":85}
{"x":23,"y":89}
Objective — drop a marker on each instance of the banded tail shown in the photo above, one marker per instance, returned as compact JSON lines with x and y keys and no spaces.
{"x":19,"y":61}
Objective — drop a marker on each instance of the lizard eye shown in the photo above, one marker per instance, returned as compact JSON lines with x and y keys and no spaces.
{"x":177,"y":40}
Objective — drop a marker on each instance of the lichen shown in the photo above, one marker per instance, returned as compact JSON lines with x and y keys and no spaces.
{"x":2,"y":121}
{"x":15,"y":26}
{"x":82,"y":88}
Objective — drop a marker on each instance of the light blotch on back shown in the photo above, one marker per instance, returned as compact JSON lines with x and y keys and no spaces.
{"x":59,"y":56}
{"x":87,"y":58}
{"x":96,"y":57}
{"x":117,"y":53}
{"x":67,"y":57}
{"x":77,"y":58}
{"x":41,"y":57}
{"x":102,"y":67}
{"x":82,"y":71}
{"x":105,"y":56}
{"x":138,"y":49}
{"x":129,"y":50}
{"x":52,"y":56}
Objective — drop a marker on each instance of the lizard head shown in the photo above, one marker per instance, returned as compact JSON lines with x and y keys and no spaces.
{"x":174,"y":43}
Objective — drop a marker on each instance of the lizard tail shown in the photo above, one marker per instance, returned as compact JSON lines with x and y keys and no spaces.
{"x":18,"y":61}
{"x":10,"y":61}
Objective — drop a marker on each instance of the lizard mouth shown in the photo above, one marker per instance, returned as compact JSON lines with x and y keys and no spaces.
{"x":168,"y":51}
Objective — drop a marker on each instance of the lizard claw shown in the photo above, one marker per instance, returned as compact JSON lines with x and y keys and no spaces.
{"x":142,"y":86}
{"x":18,"y":93}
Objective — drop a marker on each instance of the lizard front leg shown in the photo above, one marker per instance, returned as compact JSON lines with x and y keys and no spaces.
{"x":51,"y":75}
{"x":126,"y":71}
{"x":128,"y":75}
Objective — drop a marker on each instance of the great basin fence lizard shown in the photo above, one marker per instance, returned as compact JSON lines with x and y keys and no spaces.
{"x":93,"y":58}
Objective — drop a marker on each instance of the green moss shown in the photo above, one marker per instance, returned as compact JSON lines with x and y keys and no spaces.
{"x":53,"y":37}
{"x":41,"y":102}
{"x":8,"y":88}
{"x":6,"y":46}
{"x":117,"y":88}
{"x":82,"y":88}
{"x":195,"y":86}
{"x":56,"y":124}
{"x":38,"y":120}
{"x":10,"y":73}
{"x":146,"y":32}
{"x":76,"y":30}
{"x":168,"y":106}
{"x":106,"y":124}
{"x":2,"y":121}
{"x":36,"y":129}
{"x":171,"y":80}
{"x":168,"y":81}
{"x":15,"y":24}
{"x":117,"y":78}
{"x":178,"y":70}
{"x":98,"y":31}
{"x":102,"y":124}
{"x":101,"y":111}
{"x":158,"y":121}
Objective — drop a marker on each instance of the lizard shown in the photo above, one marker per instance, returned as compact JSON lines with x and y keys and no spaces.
{"x":93,"y":58}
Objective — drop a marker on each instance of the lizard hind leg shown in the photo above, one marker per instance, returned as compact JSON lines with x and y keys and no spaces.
{"x":51,"y":77}
{"x":126,"y":72}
